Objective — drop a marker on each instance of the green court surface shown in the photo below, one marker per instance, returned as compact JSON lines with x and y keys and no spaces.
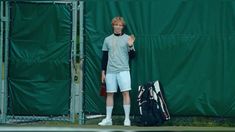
{"x":175,"y":124}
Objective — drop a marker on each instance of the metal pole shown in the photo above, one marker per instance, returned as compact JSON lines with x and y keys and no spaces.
{"x":73,"y":57}
{"x":1,"y":46}
{"x":81,"y":28}
{"x":7,"y":22}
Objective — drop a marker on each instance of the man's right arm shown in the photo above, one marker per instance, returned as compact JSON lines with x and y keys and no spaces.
{"x":104,"y":60}
{"x":104,"y":65}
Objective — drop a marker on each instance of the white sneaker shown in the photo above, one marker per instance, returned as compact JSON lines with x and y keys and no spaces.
{"x":127,"y":122}
{"x":106,"y":122}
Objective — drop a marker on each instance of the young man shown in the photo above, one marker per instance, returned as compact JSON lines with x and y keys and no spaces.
{"x":117,"y":49}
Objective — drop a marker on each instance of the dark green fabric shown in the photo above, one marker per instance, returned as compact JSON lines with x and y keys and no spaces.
{"x":39,"y":59}
{"x":186,"y":44}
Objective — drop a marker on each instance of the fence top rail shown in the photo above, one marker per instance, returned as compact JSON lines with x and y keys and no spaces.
{"x":44,"y":1}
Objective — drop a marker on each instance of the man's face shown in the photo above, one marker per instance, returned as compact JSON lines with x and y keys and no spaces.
{"x":118,"y":26}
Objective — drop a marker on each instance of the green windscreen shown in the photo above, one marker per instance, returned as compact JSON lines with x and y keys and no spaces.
{"x":39,"y":79}
{"x":188,"y":45}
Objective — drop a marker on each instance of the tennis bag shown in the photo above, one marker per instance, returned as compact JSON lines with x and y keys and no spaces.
{"x":152,"y":107}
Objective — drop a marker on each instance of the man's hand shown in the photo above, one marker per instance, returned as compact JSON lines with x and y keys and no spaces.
{"x":131,"y":40}
{"x":103,"y":77}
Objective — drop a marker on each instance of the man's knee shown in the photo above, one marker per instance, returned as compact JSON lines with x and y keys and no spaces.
{"x":125,"y":94}
{"x":110,"y":95}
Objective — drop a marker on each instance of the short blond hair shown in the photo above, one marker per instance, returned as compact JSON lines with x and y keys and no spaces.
{"x":118,"y":19}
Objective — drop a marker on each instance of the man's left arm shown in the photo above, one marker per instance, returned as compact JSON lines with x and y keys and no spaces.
{"x":131,"y":49}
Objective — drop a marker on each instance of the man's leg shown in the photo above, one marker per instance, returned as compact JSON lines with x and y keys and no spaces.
{"x":124,"y":82}
{"x":126,"y":104}
{"x":109,"y":106}
{"x":111,"y":85}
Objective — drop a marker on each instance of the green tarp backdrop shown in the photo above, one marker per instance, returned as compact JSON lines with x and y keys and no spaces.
{"x":186,"y":44}
{"x":39,"y":59}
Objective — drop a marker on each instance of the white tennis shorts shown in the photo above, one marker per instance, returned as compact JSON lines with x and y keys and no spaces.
{"x":121,"y":79}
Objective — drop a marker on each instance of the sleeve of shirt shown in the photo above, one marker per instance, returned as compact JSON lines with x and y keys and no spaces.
{"x":105,"y":45}
{"x":131,"y":52}
{"x":104,"y":60}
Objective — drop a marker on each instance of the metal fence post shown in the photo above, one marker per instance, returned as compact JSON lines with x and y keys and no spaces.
{"x":6,"y":38}
{"x":1,"y":50}
{"x":81,"y":29}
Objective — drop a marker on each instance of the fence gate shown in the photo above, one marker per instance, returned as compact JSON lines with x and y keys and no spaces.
{"x":39,"y":40}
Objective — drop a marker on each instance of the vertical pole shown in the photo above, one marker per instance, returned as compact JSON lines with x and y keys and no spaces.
{"x":7,"y":22}
{"x":1,"y":46}
{"x":73,"y":57}
{"x":81,"y":29}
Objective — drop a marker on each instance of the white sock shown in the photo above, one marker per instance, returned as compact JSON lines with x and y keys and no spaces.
{"x":109,"y":110}
{"x":127,"y":111}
